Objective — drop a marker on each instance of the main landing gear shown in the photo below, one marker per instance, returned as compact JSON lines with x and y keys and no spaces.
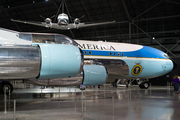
{"x":142,"y":83}
{"x":5,"y":86}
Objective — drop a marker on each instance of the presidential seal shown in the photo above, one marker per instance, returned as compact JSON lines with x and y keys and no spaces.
{"x":137,"y":69}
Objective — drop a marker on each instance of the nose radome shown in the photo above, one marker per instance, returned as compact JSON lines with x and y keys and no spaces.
{"x":174,"y":64}
{"x":168,"y":66}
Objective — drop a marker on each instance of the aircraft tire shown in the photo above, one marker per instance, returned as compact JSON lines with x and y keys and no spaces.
{"x":6,"y":86}
{"x":144,"y":85}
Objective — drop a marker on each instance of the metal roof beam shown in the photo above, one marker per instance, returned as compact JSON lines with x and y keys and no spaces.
{"x":173,"y":2}
{"x":121,"y":22}
{"x":154,"y":39}
{"x":10,"y":17}
{"x":125,"y":8}
{"x":173,"y":46}
{"x":148,"y":9}
{"x":22,"y":19}
{"x":22,"y":4}
{"x":125,"y":35}
{"x":129,"y":18}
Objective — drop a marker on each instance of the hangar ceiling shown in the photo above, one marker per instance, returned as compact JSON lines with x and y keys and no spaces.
{"x":147,"y":22}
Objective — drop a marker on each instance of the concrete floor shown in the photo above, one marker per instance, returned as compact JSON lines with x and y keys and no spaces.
{"x":106,"y":103}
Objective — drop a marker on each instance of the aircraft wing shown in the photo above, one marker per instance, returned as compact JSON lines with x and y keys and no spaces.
{"x":42,"y":24}
{"x":66,"y":27}
{"x":81,"y":25}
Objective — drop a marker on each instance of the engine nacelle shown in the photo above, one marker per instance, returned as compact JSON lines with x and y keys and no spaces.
{"x":48,"y":22}
{"x":76,"y":21}
{"x":60,"y":61}
{"x":47,"y":61}
{"x":94,"y":75}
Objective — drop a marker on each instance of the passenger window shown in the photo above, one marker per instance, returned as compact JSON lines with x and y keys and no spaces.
{"x":90,"y":52}
{"x":114,"y":54}
{"x":122,"y":54}
{"x":85,"y":52}
{"x":110,"y":53}
{"x":118,"y":54}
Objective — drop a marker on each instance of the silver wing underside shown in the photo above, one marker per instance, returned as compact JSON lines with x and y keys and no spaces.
{"x":62,"y":27}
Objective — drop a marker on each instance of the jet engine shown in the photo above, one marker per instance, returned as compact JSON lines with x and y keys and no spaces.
{"x":59,"y":61}
{"x":47,"y":61}
{"x":92,"y":75}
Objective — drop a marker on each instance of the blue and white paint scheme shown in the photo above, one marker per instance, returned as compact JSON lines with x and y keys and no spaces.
{"x":140,"y":61}
{"x":56,"y":60}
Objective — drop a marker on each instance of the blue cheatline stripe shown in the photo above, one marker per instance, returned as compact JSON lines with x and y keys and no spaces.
{"x":145,"y":52}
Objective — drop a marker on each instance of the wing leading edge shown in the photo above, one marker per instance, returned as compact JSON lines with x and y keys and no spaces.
{"x":62,"y":27}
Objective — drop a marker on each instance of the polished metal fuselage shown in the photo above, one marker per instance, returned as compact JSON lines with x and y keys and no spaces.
{"x":116,"y":68}
{"x":20,"y":57}
{"x":17,"y":62}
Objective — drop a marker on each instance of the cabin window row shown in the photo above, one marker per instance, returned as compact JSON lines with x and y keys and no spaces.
{"x":118,"y":54}
{"x":85,"y":52}
{"x":111,"y":53}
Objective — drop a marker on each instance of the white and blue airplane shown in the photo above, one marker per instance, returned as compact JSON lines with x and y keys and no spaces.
{"x":127,"y":61}
{"x":57,"y":60}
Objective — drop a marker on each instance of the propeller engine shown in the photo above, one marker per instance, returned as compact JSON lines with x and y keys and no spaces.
{"x":48,"y":21}
{"x":77,"y":20}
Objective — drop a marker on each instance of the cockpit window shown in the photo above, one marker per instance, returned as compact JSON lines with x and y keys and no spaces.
{"x":166,"y":55}
{"x":41,"y":38}
{"x":61,"y":39}
{"x":47,"y":38}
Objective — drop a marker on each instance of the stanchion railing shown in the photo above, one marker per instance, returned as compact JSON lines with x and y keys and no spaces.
{"x":14,"y":110}
{"x":5,"y":101}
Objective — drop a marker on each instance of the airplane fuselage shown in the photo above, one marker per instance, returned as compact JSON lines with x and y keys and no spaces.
{"x":63,"y":19}
{"x":128,"y":61}
{"x":56,"y":60}
{"x":122,"y":60}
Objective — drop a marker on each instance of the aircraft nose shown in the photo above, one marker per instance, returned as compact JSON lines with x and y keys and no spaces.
{"x":168,"y":66}
{"x":175,"y":65}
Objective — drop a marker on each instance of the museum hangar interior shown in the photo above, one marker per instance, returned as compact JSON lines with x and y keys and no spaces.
{"x":153,"y":23}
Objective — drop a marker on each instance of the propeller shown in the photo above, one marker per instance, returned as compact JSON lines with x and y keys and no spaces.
{"x":77,"y":20}
{"x":47,"y":20}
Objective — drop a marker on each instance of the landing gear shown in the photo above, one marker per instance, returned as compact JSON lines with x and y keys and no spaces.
{"x":6,"y":86}
{"x":144,"y":85}
{"x":82,"y":87}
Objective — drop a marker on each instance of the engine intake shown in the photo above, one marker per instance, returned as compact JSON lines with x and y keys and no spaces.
{"x":94,"y":75}
{"x":60,"y":61}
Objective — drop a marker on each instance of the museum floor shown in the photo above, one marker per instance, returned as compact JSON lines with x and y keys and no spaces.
{"x":105,"y":103}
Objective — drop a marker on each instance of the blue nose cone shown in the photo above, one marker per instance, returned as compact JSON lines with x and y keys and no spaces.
{"x":156,"y":62}
{"x":168,"y":66}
